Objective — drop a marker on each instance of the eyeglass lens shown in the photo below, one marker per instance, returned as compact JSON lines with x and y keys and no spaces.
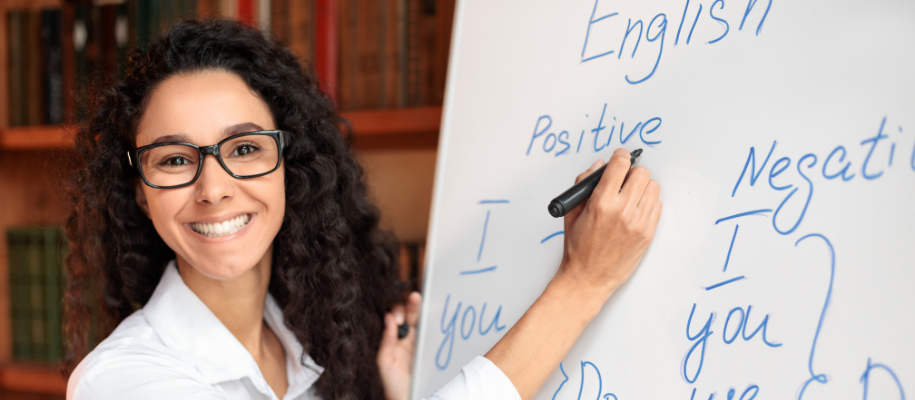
{"x":176,"y":164}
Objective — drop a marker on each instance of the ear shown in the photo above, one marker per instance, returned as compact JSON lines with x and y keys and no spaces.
{"x":141,"y":198}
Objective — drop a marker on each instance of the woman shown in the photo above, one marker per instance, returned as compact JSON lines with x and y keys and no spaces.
{"x":223,"y":246}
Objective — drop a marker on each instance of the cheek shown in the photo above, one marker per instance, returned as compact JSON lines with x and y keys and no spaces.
{"x":277,"y":197}
{"x":164,"y":206}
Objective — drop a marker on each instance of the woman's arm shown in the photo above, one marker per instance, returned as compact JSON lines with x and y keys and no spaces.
{"x":605,"y":239}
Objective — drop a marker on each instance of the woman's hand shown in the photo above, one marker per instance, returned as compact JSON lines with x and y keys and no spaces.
{"x":605,"y":239}
{"x":606,"y":236}
{"x":395,"y":356}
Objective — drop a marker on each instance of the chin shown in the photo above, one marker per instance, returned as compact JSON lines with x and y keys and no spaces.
{"x":223,"y":270}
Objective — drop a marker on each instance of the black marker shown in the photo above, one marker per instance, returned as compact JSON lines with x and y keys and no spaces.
{"x":403,"y":330}
{"x":581,"y":191}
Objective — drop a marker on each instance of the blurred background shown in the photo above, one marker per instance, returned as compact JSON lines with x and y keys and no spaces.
{"x":383,"y":61}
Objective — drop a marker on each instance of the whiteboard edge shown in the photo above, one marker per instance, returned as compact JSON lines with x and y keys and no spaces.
{"x":438,"y":188}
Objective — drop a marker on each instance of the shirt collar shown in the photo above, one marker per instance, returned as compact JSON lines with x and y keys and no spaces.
{"x":192,"y":331}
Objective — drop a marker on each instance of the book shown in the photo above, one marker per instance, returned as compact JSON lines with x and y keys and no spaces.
{"x":300,"y":28}
{"x":17,"y":241}
{"x":32,"y":96}
{"x":428,"y":43}
{"x":52,"y":68}
{"x":36,"y":288}
{"x":394,"y":61}
{"x":16,"y":63}
{"x":53,"y":292}
{"x":121,"y":38}
{"x":346,"y":54}
{"x":369,"y":43}
{"x":279,"y":29}
{"x":36,"y":299}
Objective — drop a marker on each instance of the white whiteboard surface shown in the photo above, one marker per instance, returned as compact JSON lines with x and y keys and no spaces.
{"x":827,"y":265}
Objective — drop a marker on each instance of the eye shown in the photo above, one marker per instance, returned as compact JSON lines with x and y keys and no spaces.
{"x":244,"y":149}
{"x":174,"y":161}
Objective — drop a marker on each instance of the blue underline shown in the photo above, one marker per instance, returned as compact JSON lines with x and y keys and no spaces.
{"x":493,"y":201}
{"x":551,"y":236}
{"x":725,"y":282}
{"x":743,"y":214}
{"x":479,"y":271}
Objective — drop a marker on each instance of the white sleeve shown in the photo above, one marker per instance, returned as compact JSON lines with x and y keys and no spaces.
{"x":481,"y":379}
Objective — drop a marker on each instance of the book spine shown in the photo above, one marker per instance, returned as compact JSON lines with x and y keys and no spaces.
{"x":52,"y":294}
{"x":16,"y":63}
{"x":279,"y":16}
{"x":121,"y":38}
{"x":33,"y":66}
{"x":395,"y":54}
{"x":414,"y":45}
{"x":300,"y":27}
{"x":347,"y":26}
{"x":68,"y":57}
{"x":105,"y":26}
{"x":153,"y":12}
{"x":369,"y":42}
{"x":80,"y":56}
{"x":37,"y":306}
{"x":141,"y":16}
{"x":19,"y":303}
{"x":51,"y":24}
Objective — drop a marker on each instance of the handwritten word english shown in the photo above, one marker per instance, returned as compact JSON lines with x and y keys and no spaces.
{"x":598,"y":46}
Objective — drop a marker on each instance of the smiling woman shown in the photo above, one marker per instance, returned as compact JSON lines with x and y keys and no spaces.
{"x":219,"y":222}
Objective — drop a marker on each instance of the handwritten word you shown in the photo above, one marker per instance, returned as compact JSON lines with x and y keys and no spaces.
{"x":468,"y":321}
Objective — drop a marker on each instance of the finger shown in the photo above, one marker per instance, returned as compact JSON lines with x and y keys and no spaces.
{"x":612,"y":180}
{"x":398,"y":312}
{"x":388,"y":337}
{"x":573,"y":214}
{"x":650,"y":197}
{"x":594,"y":166}
{"x":412,"y":309}
{"x":655,"y":216}
{"x":634,"y":187}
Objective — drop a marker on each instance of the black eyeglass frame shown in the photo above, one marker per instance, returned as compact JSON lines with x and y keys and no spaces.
{"x":281,"y":138}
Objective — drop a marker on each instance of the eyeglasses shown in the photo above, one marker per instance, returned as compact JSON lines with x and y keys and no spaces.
{"x":173,"y":165}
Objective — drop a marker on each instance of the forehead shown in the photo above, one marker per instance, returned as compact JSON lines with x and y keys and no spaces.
{"x":200,"y":106}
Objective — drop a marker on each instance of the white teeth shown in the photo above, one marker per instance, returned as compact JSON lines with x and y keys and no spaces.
{"x":223,"y":228}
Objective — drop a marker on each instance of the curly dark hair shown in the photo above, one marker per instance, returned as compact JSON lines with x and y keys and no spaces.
{"x":333,"y":270}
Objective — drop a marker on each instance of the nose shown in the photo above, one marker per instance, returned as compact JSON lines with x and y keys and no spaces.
{"x":214,"y":184}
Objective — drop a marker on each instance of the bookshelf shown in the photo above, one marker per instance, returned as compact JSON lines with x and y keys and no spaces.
{"x":33,"y":160}
{"x":398,"y":128}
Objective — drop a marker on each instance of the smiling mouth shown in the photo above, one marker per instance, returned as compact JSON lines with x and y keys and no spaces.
{"x":220,"y":229}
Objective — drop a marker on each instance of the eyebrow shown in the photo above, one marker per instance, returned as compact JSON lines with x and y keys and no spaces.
{"x":228,"y":131}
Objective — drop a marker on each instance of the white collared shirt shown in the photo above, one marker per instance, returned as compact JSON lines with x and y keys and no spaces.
{"x":175,"y":348}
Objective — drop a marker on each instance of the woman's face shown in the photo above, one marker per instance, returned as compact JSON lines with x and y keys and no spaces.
{"x":204,"y":108}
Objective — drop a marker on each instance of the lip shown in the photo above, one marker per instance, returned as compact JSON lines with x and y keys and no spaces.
{"x":207,"y":239}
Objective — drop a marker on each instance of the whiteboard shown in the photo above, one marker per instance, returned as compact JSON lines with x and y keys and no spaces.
{"x":783,"y":136}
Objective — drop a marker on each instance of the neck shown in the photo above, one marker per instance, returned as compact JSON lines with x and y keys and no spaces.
{"x":237,"y":303}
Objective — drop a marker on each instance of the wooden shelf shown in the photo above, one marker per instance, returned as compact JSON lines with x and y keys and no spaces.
{"x":32,"y":378}
{"x":47,"y":137}
{"x":397,"y":128}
